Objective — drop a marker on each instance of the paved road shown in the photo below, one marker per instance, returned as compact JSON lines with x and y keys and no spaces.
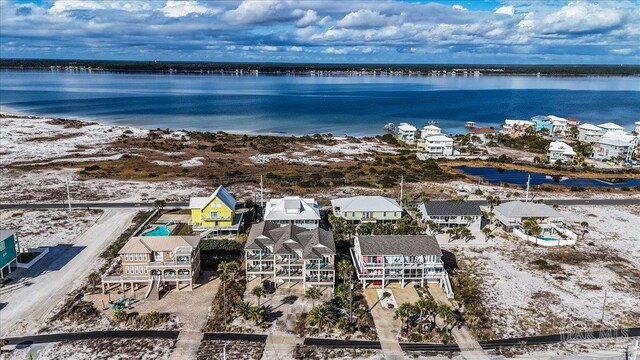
{"x":116,"y":334}
{"x":57,"y":274}
{"x":84,"y":205}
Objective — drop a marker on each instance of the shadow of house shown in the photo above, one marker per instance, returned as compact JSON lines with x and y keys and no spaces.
{"x":450,"y":262}
{"x":58,"y":256}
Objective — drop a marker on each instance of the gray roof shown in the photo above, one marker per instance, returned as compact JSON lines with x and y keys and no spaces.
{"x":366,"y":203}
{"x":406,"y":245}
{"x":292,"y":208}
{"x":521,"y":209}
{"x":456,"y":208}
{"x":5,"y":233}
{"x":285,"y":239}
{"x":220,"y":193}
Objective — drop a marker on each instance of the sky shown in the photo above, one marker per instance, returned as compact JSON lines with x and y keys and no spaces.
{"x":324,"y":31}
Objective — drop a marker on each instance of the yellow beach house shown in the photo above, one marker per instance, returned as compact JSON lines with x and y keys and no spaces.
{"x":216,"y":213}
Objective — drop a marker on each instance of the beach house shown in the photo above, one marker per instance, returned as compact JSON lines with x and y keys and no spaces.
{"x":559,"y":151}
{"x":381,"y":259}
{"x":559,"y":124}
{"x":293,"y":210}
{"x":637,"y":128}
{"x":430,"y":130}
{"x":361,"y":209}
{"x":480,"y":135}
{"x":215,"y":213}
{"x":549,"y":229}
{"x":8,"y":251}
{"x":157,"y":261}
{"x":407,"y":133}
{"x":436,"y":145}
{"x":589,"y":133}
{"x":609,"y":126}
{"x":451,"y":214}
{"x":542,"y":122}
{"x":516,"y":128}
{"x":615,"y":144}
{"x":291,"y":255}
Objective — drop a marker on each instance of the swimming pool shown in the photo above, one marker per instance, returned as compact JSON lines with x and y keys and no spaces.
{"x":162,"y":230}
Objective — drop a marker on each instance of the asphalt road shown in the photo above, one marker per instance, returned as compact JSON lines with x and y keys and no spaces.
{"x":181,"y":204}
{"x":117,"y":334}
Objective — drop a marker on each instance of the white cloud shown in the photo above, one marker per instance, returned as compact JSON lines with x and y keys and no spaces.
{"x":506,"y":10}
{"x":459,"y":7}
{"x":254,"y":11}
{"x":267,"y":48}
{"x":334,"y":51}
{"x":625,"y":51}
{"x":295,"y":49}
{"x":177,"y":8}
{"x":308,"y":18}
{"x":61,"y":6}
{"x":581,"y":17}
{"x":366,"y":18}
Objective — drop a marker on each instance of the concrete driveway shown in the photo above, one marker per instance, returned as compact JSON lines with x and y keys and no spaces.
{"x":25,"y":303}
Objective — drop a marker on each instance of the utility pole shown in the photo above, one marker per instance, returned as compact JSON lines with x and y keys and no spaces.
{"x":224,"y":351}
{"x":261,"y":192}
{"x":401,"y":187}
{"x":68,"y":194}
{"x":526,"y":199}
{"x":604,"y":303}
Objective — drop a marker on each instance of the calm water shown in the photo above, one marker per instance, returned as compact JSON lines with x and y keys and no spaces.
{"x":518,"y":177}
{"x":358,"y":105}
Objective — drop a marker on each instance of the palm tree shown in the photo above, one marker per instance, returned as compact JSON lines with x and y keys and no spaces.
{"x":243,"y":309}
{"x":487,"y":232}
{"x":93,"y":278}
{"x":585,"y":227}
{"x":321,"y":316}
{"x":464,"y":232}
{"x":345,"y":270}
{"x":404,"y":311}
{"x":224,"y":277}
{"x":313,"y":294}
{"x":532,"y":228}
{"x":257,"y":314}
{"x":229,"y":267}
{"x":258,"y":292}
{"x":448,"y":317}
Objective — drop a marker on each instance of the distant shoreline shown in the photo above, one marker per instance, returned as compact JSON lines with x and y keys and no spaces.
{"x":323,"y":69}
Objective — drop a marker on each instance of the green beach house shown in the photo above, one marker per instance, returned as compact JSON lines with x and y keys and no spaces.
{"x":8,"y":253}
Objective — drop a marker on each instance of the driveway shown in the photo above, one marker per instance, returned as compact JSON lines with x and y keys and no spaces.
{"x":26,"y":302}
{"x":387,"y":327}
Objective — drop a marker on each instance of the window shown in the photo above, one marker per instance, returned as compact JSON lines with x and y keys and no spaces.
{"x":214,"y":214}
{"x":157,"y":256}
{"x":2,"y":246}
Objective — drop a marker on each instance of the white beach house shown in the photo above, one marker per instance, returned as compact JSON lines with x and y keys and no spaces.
{"x":430,"y":130}
{"x":293,"y":210}
{"x":512,"y":215}
{"x":559,"y":124}
{"x":361,"y":209}
{"x":589,"y":133}
{"x":407,"y":133}
{"x":381,"y":259}
{"x":516,"y":128}
{"x":615,"y":144}
{"x":559,"y":151}
{"x":436,"y":145}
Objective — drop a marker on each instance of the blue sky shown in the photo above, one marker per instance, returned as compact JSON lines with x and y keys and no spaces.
{"x":331,"y":31}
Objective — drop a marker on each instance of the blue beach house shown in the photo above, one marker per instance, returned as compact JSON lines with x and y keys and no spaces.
{"x":8,"y":253}
{"x":542,"y":122}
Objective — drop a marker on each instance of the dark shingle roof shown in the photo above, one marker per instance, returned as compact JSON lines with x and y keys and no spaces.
{"x":462,"y":208}
{"x":285,"y":239}
{"x":406,"y":245}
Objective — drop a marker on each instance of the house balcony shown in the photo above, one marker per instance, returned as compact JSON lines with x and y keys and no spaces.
{"x":260,"y":257}
{"x":321,"y":279}
{"x":321,"y":265}
{"x":289,"y":274}
{"x":218,"y":218}
{"x":164,"y":264}
{"x":260,"y":269}
{"x":289,"y":261}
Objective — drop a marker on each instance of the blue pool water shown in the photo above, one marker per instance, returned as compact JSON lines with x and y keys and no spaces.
{"x":162,"y":230}
{"x":518,"y":177}
{"x":355,"y":105}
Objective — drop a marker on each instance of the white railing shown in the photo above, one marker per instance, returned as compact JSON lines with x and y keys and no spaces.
{"x":555,"y":241}
{"x":42,"y":251}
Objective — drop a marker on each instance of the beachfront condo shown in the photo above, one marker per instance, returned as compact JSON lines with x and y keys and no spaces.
{"x":290,"y":255}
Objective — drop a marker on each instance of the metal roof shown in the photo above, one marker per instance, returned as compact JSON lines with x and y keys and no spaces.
{"x":366,"y":203}
{"x":5,"y":233}
{"x":292,"y":208}
{"x":406,"y":245}
{"x":457,"y":208}
{"x":521,"y":209}
{"x":220,"y":193}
